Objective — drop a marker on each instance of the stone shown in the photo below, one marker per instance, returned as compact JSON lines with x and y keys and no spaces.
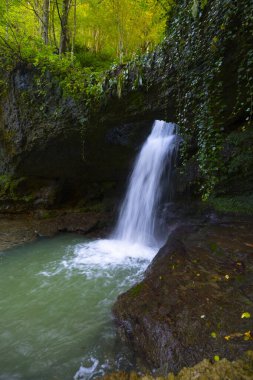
{"x":189,"y":305}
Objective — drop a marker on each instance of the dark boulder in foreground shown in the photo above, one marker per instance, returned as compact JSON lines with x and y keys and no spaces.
{"x":240,"y":369}
{"x":196,"y":300}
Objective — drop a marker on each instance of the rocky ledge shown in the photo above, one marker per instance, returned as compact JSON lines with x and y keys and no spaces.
{"x":240,"y":369}
{"x":195,"y":301}
{"x":23,"y":228}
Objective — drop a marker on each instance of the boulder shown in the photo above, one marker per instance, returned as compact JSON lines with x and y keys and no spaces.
{"x":196,"y":299}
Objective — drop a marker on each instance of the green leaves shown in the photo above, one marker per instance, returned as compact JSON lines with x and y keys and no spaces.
{"x":195,"y":9}
{"x":203,"y":105}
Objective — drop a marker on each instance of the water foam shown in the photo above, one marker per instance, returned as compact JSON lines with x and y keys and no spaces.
{"x":110,"y":253}
{"x":134,"y":242}
{"x":84,"y":372}
{"x":101,"y":259}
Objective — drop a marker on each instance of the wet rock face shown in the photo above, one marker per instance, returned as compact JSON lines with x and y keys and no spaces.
{"x":39,"y":131}
{"x":45,"y":138}
{"x":19,"y":229}
{"x":191,"y":302}
{"x":240,"y":369}
{"x":46,"y":135}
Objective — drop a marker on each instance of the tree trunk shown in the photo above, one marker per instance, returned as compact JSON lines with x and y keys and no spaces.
{"x":74,"y":32}
{"x":7,"y":13}
{"x":64,"y":39}
{"x":52,"y":29}
{"x":45,"y":20}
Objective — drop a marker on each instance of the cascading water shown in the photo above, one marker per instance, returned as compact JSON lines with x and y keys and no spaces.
{"x":55,"y":311}
{"x":138,"y":218}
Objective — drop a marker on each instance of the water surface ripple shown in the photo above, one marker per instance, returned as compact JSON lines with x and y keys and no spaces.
{"x":56,"y":297}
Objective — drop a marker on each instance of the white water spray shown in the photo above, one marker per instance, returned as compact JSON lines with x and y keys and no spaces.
{"x":125,"y":256}
{"x":138,"y":218}
{"x":137,"y":235}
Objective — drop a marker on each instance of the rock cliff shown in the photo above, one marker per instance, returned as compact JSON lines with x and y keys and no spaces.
{"x":57,"y":149}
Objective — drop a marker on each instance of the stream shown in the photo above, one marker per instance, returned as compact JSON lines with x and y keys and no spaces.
{"x":56,"y":298}
{"x":56,"y":294}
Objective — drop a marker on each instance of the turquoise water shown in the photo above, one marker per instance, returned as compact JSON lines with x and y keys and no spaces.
{"x":55,"y":307}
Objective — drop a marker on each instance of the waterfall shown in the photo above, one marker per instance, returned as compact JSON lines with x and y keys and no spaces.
{"x":139,"y":215}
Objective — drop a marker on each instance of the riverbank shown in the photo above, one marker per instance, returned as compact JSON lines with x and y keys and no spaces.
{"x":187,"y":312}
{"x":196,"y":299}
{"x":240,"y":369}
{"x":17,"y":229}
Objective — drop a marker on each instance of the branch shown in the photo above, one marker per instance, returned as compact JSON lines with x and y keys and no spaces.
{"x":18,"y":55}
{"x":34,"y":11}
{"x":58,"y":12}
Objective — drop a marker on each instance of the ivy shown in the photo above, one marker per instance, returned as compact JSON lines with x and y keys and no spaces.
{"x":200,"y":36}
{"x":191,"y":60}
{"x":199,"y":43}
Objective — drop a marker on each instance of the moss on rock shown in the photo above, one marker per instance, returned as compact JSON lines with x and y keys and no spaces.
{"x":240,"y":369}
{"x":238,"y":205}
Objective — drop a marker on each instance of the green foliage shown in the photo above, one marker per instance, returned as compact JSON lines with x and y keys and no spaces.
{"x":203,"y":4}
{"x":195,"y":8}
{"x":200,"y":36}
{"x":10,"y":189}
{"x":199,"y":43}
{"x":99,"y":34}
{"x":239,"y":155}
{"x":115,"y":28}
{"x":8,"y":185}
{"x":135,"y":290}
{"x":235,"y":205}
{"x":76,"y":81}
{"x":97,"y":62}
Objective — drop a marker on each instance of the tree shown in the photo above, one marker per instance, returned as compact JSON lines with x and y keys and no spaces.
{"x":64,"y":17}
{"x":115,"y":28}
{"x":45,"y":21}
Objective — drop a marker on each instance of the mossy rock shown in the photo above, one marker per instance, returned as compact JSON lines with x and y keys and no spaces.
{"x":190,"y":303}
{"x":237,"y":205}
{"x":240,"y":369}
